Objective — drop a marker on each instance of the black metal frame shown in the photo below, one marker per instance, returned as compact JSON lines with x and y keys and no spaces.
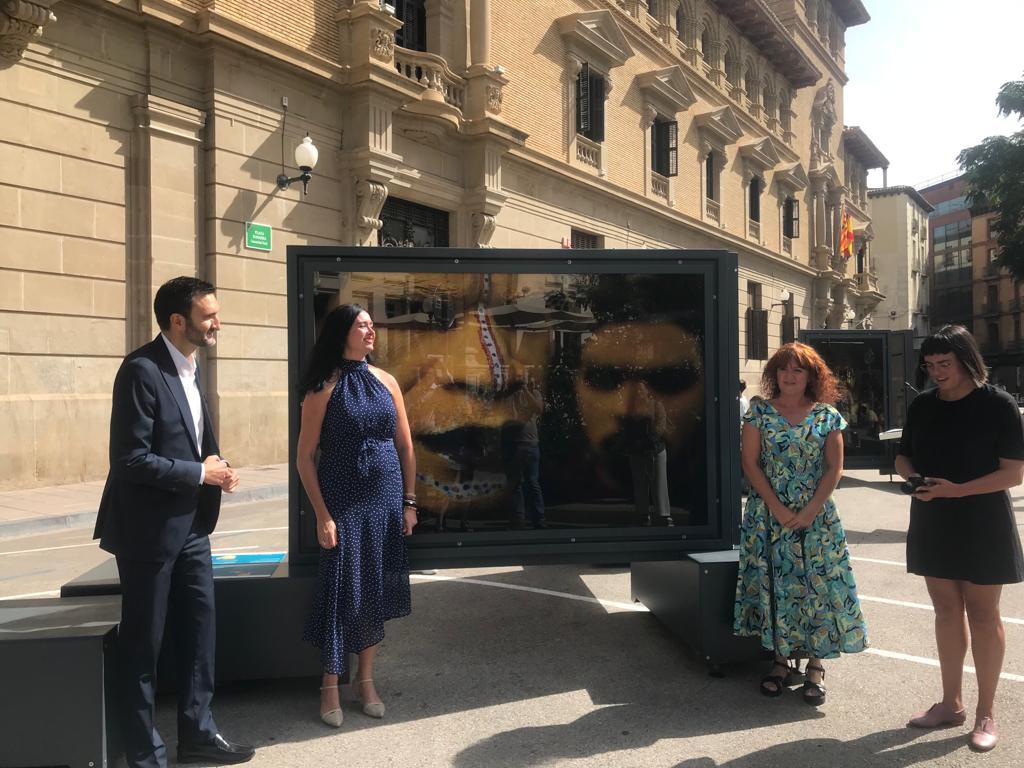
{"x":719,"y":269}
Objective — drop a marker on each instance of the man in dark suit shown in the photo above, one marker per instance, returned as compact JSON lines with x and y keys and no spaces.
{"x":159,"y":506}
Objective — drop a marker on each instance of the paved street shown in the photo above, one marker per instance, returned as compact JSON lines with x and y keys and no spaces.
{"x":489,"y":671}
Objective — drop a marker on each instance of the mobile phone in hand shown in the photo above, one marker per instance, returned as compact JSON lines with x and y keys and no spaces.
{"x":912,"y":483}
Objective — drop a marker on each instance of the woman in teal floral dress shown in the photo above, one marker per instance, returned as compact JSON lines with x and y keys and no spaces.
{"x":795,"y":589}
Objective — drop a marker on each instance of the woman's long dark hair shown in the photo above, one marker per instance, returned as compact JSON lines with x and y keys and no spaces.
{"x":329,"y":350}
{"x":959,"y":341}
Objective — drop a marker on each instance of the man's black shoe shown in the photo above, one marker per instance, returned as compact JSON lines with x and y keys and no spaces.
{"x":217,"y":750}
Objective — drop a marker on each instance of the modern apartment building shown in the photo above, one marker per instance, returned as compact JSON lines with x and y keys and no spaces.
{"x":138,"y":141}
{"x":997,"y":306}
{"x":949,"y":254}
{"x":899,"y":218}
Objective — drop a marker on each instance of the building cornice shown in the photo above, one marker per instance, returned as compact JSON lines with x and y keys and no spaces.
{"x":21,"y":21}
{"x":757,"y":22}
{"x":860,"y":146}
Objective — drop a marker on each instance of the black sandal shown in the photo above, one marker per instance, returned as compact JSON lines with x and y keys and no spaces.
{"x":814,"y":693}
{"x":779,"y":681}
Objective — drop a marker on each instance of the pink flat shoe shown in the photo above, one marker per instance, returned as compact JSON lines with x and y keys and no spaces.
{"x":938,"y":716}
{"x":985,"y":735}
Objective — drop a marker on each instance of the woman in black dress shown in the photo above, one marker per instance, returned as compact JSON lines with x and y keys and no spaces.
{"x":963,"y":446}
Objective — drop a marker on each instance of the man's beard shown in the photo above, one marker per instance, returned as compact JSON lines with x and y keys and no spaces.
{"x":195,"y":336}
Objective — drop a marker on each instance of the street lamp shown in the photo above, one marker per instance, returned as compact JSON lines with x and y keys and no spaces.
{"x":306,"y":155}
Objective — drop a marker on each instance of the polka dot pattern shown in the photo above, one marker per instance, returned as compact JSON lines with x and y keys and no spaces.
{"x":364,"y":581}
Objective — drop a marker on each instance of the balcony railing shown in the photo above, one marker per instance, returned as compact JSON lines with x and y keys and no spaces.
{"x":713,"y":210}
{"x":659,"y":185}
{"x":787,"y":245}
{"x":1015,"y":305}
{"x":990,"y":307}
{"x":432,"y":71}
{"x":866,"y":281}
{"x":754,"y":230}
{"x":588,"y":152}
{"x":992,"y":270}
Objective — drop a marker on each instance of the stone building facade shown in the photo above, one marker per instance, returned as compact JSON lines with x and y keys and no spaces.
{"x":137,"y":140}
{"x":900,"y":221}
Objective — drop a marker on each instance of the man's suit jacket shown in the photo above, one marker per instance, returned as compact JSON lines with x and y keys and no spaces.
{"x":153,"y":496}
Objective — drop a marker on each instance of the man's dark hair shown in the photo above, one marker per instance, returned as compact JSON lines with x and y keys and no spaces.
{"x":959,"y":341}
{"x":175,"y":297}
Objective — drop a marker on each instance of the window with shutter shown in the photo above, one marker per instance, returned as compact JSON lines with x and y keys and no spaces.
{"x":665,"y":147}
{"x":596,"y":107}
{"x":709,"y":176}
{"x":583,"y":100}
{"x":757,"y":334}
{"x":755,"y":199}
{"x":590,"y":88}
{"x":791,"y":218}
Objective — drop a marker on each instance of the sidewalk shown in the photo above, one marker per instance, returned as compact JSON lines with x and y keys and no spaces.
{"x":23,"y":513}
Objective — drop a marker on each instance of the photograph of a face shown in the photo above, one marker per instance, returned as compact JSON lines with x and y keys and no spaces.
{"x":544,"y":400}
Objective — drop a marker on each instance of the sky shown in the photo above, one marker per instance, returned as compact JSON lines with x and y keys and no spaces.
{"x":924,"y":75}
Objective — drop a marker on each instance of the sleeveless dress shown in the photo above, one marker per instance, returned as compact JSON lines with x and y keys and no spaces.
{"x":364,"y":581}
{"x":795,"y":590}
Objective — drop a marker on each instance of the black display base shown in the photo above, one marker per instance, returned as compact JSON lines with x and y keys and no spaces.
{"x":259,"y":620}
{"x":694,"y":598}
{"x":57,"y":667}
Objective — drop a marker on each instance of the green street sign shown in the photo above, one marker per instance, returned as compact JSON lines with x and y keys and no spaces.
{"x":258,"y":236}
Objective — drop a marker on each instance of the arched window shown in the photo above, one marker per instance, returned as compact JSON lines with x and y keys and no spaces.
{"x":705,"y":44}
{"x":750,"y":82}
{"x":768,"y":98}
{"x":731,"y":73}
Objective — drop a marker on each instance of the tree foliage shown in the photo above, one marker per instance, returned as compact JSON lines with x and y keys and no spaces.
{"x":995,"y":176}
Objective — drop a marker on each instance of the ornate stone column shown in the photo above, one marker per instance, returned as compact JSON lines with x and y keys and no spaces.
{"x":667,"y":17}
{"x":20,"y":21}
{"x":689,"y":35}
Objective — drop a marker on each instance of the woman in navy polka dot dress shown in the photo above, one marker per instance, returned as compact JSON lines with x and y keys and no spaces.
{"x":363,"y":494}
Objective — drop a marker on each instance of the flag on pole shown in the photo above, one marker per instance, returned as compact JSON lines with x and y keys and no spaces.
{"x":846,"y":235}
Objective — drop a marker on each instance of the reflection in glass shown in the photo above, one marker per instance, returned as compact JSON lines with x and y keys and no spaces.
{"x":860,"y":368}
{"x":544,"y":400}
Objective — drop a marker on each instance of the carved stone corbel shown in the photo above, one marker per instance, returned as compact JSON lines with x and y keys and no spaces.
{"x":483,"y":228}
{"x":370,"y":197}
{"x":20,"y":21}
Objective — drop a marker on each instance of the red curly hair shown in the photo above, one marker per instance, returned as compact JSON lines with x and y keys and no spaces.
{"x":822,"y":386}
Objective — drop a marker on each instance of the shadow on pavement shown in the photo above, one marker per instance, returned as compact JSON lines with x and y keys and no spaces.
{"x":885,"y":748}
{"x":877,"y":536}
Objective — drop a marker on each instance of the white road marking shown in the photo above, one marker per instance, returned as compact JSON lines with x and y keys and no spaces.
{"x":51,"y":593}
{"x":536,"y":590}
{"x":250,"y":530}
{"x":96,"y":544}
{"x":934,"y":663}
{"x":640,"y":608}
{"x":880,"y":562}
{"x":921,"y":606}
{"x":50,"y":549}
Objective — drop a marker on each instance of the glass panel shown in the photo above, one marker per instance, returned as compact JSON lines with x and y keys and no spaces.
{"x":550,"y":400}
{"x":860,"y":367}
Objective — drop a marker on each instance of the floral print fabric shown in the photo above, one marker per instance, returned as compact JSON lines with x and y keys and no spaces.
{"x":795,"y":589}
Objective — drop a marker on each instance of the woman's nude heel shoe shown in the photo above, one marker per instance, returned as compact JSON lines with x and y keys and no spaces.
{"x":373,"y":708}
{"x":333,"y":717}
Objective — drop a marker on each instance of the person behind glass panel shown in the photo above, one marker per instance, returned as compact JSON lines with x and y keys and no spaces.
{"x":521,"y":451}
{"x":640,"y":391}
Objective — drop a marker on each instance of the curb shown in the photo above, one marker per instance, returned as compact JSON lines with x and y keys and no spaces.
{"x":26,"y":527}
